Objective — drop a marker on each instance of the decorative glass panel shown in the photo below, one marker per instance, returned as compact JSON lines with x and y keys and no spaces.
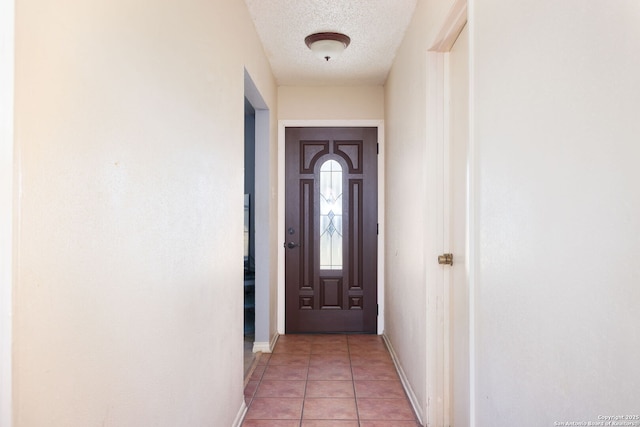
{"x":331,"y":216}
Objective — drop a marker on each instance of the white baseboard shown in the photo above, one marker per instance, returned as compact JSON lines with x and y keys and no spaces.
{"x":405,"y":381}
{"x":240,"y":416}
{"x":265,"y":347}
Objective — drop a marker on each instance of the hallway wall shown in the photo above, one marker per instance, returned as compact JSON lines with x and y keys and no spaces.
{"x":554,"y":173}
{"x":129,"y":135}
{"x":556,"y":184}
{"x":330,"y":102}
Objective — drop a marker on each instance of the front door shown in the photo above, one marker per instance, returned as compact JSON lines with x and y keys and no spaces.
{"x":331,"y":230}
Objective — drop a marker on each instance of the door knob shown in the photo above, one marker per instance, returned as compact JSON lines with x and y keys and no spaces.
{"x":291,"y":245}
{"x":445,"y":259}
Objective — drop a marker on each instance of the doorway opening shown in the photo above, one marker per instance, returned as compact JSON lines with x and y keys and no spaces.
{"x":249,"y":233}
{"x":282,"y":229}
{"x":331,"y":229}
{"x":258,"y":254}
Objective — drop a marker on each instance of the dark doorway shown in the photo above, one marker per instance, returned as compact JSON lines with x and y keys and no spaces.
{"x":249,"y":231}
{"x":331,"y":230}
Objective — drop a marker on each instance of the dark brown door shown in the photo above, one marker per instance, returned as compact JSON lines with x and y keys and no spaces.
{"x":331,"y":230}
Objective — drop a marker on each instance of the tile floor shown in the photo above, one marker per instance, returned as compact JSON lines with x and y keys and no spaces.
{"x":327,"y":381}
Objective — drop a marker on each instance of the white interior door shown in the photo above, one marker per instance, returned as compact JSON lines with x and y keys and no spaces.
{"x":448,"y":380}
{"x":458,"y":229}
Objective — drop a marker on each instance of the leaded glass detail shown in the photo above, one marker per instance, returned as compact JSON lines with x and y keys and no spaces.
{"x":331,"y":216}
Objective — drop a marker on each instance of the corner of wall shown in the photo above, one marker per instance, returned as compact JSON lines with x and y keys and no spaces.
{"x":415,"y":402}
{"x":266,"y":347}
{"x":237,"y":422}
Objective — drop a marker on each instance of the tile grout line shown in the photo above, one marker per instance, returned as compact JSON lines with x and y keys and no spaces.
{"x":353,"y":381}
{"x":304,"y":395}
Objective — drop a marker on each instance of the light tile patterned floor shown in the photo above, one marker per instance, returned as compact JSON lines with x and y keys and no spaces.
{"x":327,"y":381}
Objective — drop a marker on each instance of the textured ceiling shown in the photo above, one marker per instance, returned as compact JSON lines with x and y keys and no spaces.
{"x":376,"y":28}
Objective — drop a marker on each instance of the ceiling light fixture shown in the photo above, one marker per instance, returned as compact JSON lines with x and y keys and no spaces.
{"x":327,"y":45}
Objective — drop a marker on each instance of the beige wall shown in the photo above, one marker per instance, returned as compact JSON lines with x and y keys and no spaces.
{"x":129,"y":133}
{"x":330,"y":102}
{"x":554,"y":173}
{"x":556,"y":139}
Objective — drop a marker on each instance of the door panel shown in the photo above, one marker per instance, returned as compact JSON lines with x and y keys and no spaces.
{"x":331,"y":230}
{"x":459,"y":113}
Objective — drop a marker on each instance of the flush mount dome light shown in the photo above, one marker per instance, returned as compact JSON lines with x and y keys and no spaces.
{"x":327,"y":45}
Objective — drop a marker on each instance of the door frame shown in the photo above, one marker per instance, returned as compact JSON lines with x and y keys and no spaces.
{"x":282,"y":124}
{"x":438,"y":327}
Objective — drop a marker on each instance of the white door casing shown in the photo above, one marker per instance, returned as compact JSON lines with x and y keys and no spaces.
{"x":282,"y":124}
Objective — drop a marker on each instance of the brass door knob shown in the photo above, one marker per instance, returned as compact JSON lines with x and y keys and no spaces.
{"x":445,"y":259}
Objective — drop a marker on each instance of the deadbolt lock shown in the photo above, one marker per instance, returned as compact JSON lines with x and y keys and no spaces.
{"x":445,"y":259}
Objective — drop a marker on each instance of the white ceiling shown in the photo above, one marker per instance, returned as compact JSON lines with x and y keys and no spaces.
{"x":376,"y":28}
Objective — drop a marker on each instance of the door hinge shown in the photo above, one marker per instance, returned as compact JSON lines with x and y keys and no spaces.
{"x":377,"y":309}
{"x":377,"y":229}
{"x":377,"y":148}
